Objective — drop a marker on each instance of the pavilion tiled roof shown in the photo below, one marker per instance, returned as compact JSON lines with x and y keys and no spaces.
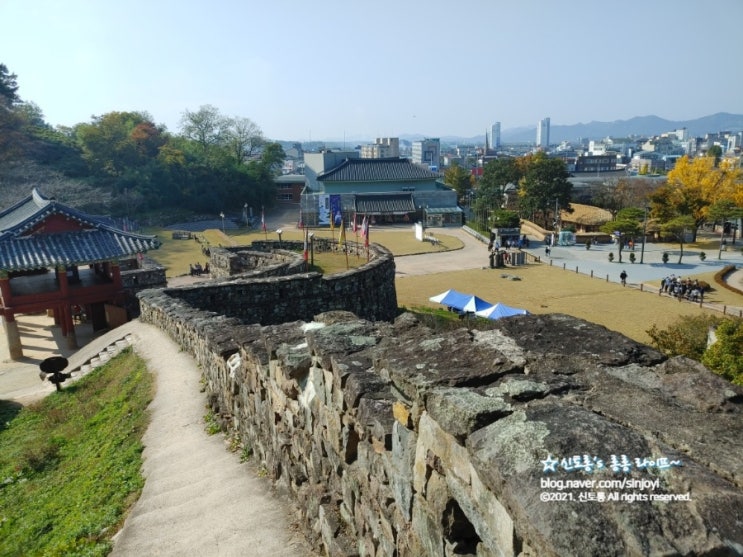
{"x":22,"y":250}
{"x":377,"y":170}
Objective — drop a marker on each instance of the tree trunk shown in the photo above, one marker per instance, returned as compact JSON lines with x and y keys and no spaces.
{"x":681,"y":253}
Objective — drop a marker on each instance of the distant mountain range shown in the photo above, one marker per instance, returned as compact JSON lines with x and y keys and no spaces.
{"x":639,"y":126}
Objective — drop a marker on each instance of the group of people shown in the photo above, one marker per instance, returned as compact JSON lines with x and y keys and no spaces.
{"x":683,"y":289}
{"x":196,"y":270}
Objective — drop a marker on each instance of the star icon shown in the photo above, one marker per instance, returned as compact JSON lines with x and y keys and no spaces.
{"x":549,"y":464}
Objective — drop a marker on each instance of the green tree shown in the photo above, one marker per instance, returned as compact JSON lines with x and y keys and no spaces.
{"x":502,"y":218}
{"x":544,"y":185}
{"x":243,"y":138}
{"x":8,"y":87}
{"x":114,"y":142}
{"x":498,"y":173}
{"x":715,"y":151}
{"x":676,"y":228}
{"x":687,"y":337}
{"x":624,"y":228}
{"x":12,"y":139}
{"x":459,"y":179}
{"x":725,"y":356}
{"x":207,"y":128}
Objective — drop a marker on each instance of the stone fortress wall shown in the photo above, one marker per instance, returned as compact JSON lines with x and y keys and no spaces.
{"x":396,"y":439}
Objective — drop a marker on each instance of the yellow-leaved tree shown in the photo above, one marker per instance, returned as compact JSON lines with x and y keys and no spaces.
{"x":692,"y":186}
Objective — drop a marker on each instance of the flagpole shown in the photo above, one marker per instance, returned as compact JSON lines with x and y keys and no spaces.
{"x":342,"y":240}
{"x":306,"y":255}
{"x":263,"y":222}
{"x":366,"y":240}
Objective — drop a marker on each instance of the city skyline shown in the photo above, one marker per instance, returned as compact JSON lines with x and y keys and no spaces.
{"x":332,"y":70}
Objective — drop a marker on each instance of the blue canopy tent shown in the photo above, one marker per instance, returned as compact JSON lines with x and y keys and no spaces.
{"x":499,"y":311}
{"x":451,"y":298}
{"x":460,"y":302}
{"x":475,"y":304}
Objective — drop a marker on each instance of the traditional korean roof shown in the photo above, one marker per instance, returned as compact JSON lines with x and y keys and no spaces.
{"x":384,"y":203}
{"x":377,"y":170}
{"x":23,"y":247}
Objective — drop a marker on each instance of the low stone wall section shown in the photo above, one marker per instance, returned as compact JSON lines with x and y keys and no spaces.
{"x":399,"y":440}
{"x":280,"y":295}
{"x":136,"y":280}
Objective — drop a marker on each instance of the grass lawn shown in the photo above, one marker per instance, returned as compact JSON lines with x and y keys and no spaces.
{"x":70,"y":464}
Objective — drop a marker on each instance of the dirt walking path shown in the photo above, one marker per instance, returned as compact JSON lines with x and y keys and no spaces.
{"x":198,"y":499}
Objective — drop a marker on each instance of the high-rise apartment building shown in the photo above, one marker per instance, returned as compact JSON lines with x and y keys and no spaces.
{"x":543,"y":134}
{"x":382,"y":148}
{"x":495,"y":136}
{"x":427,"y":152}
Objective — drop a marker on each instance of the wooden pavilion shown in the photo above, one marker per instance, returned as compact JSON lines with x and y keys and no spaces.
{"x":57,"y":259}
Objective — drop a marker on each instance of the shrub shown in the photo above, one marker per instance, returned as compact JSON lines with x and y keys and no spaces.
{"x":632,"y":257}
{"x":725,"y":356}
{"x":702,"y":255}
{"x":687,"y":337}
{"x":611,"y":256}
{"x":665,"y":257}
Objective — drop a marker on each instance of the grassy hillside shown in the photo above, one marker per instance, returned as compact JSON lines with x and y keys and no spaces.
{"x":70,"y":464}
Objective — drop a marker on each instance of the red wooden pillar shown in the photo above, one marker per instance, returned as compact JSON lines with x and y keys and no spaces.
{"x":68,"y":327}
{"x":116,"y":274}
{"x":64,"y":286}
{"x":6,"y":297}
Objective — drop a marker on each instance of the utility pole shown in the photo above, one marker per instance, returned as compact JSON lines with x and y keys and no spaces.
{"x":644,"y":234}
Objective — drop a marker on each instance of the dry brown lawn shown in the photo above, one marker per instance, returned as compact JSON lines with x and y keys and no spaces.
{"x":544,"y":289}
{"x":176,"y":255}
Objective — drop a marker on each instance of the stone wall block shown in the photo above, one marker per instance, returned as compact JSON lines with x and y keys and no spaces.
{"x":462,"y":411}
{"x":360,"y":384}
{"x":375,"y":416}
{"x":402,"y":462}
{"x":426,"y":537}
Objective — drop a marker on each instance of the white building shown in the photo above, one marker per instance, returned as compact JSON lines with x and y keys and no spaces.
{"x":382,"y":148}
{"x":543,"y":134}
{"x":495,"y":136}
{"x":427,"y":152}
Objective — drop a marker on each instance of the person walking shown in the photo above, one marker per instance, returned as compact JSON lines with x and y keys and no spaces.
{"x":623,"y":277}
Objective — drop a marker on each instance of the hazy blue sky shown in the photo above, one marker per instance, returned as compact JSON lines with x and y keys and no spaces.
{"x":328,"y":69}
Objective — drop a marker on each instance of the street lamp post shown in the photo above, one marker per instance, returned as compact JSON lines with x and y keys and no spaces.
{"x":279,"y":232}
{"x":222,"y":216}
{"x":644,"y":235}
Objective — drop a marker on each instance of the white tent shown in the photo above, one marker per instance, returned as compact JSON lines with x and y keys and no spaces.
{"x":500,"y":310}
